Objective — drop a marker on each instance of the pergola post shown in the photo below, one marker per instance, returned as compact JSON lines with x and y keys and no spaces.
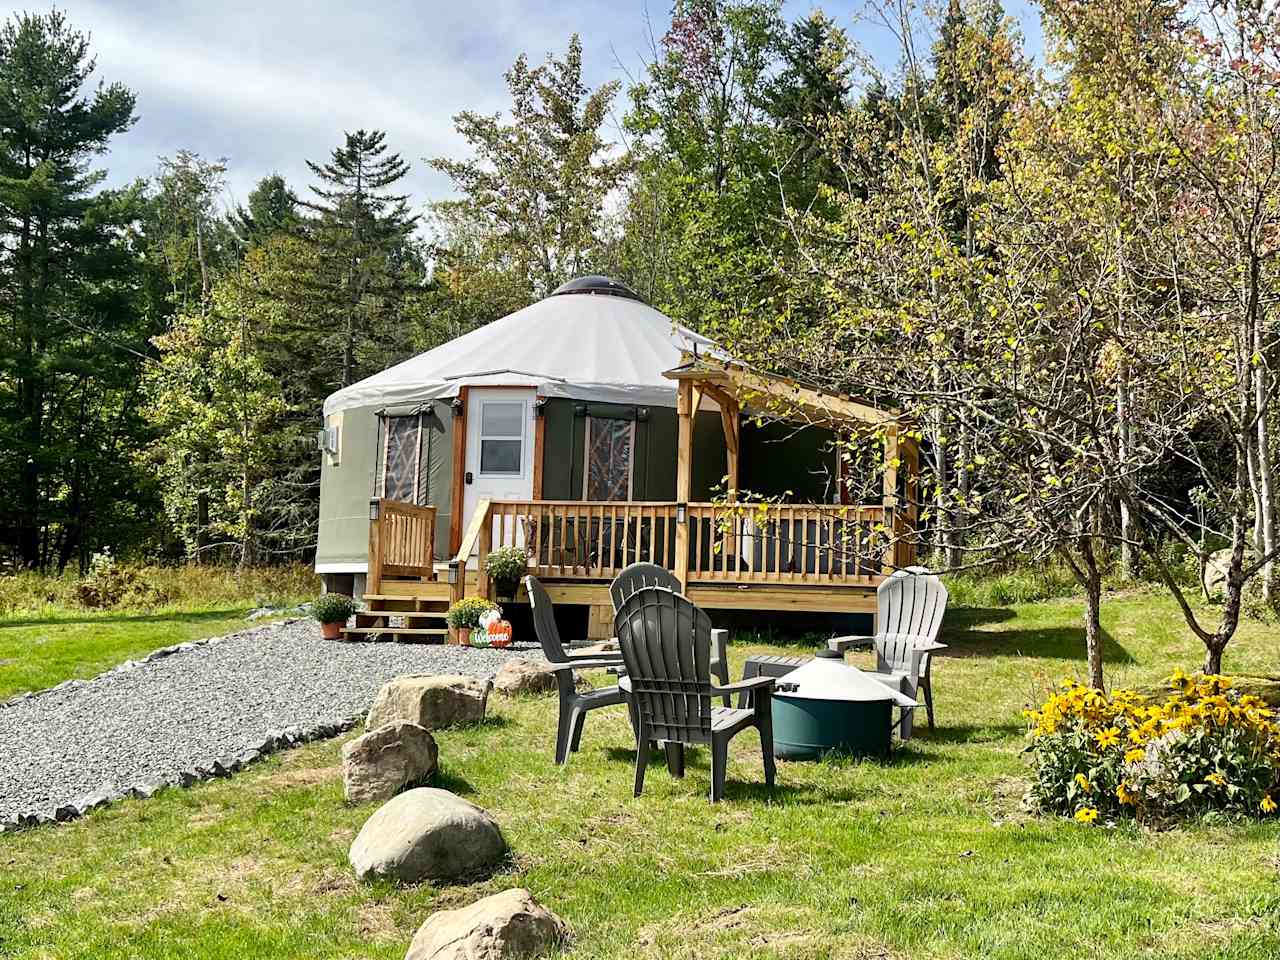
{"x":685,"y":411}
{"x":890,"y":496}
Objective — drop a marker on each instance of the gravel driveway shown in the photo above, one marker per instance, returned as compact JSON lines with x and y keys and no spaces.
{"x":201,"y":710}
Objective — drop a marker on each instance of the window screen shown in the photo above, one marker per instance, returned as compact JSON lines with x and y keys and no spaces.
{"x":400,"y":476}
{"x":610,"y":444}
{"x":501,"y":436}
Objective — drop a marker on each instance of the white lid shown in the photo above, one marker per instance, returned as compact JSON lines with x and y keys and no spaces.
{"x":823,"y":678}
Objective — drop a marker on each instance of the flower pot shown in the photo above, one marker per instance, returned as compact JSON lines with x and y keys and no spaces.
{"x":332,"y":631}
{"x":506,"y":589}
{"x":464,"y":636}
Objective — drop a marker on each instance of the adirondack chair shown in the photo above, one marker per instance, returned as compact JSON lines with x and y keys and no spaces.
{"x":574,"y":705}
{"x":910,"y":604}
{"x":639,"y":575}
{"x":666,"y":645}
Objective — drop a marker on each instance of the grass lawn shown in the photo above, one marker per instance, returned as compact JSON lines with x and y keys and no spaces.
{"x":927,"y":856}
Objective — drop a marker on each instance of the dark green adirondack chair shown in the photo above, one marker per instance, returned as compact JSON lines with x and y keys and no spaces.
{"x":666,"y":645}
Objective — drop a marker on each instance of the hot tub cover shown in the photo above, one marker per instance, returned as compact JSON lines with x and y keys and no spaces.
{"x":825,"y":679}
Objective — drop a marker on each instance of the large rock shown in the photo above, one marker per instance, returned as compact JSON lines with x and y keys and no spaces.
{"x":520,"y":676}
{"x":429,"y":701}
{"x":384,"y":761}
{"x":426,"y":834}
{"x":504,"y":926}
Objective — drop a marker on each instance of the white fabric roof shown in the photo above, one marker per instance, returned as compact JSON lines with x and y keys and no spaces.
{"x":585,"y":346}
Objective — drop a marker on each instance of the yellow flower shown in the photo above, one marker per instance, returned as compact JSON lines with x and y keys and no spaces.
{"x":1135,"y":755}
{"x":1123,"y":794}
{"x":1107,"y":738}
{"x":1268,"y":805}
{"x":1086,"y":815}
{"x":1217,"y":779}
{"x":1083,"y":782}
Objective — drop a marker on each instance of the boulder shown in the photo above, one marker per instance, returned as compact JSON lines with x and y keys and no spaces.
{"x":424,"y":834}
{"x":431,"y":702}
{"x":520,"y":676}
{"x":504,"y":926}
{"x":384,"y":761}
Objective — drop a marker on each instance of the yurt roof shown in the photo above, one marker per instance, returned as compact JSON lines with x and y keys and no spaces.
{"x":593,"y":339}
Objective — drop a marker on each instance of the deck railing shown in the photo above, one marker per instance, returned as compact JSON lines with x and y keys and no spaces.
{"x":798,"y":544}
{"x":401,"y":542}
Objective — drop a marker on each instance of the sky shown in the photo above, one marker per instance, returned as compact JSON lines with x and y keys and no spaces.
{"x":272,"y":83}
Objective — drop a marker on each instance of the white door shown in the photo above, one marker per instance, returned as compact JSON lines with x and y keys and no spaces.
{"x":499,"y":460}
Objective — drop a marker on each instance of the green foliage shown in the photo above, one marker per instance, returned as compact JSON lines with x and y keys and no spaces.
{"x":74,"y":338}
{"x":1203,"y":748}
{"x":996,"y":588}
{"x":333,"y":608}
{"x":466,"y":613}
{"x":507,"y":563}
{"x":108,"y":584}
{"x":531,"y":207}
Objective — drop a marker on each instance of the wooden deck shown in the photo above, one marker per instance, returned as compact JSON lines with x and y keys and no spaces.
{"x":755,"y":557}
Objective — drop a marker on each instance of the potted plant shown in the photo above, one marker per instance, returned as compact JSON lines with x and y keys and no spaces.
{"x":506,"y":566}
{"x":332,"y":610}
{"x":464,"y":616}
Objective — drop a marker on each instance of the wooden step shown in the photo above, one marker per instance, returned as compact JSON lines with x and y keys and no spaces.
{"x":419,"y":634}
{"x":373,"y":618}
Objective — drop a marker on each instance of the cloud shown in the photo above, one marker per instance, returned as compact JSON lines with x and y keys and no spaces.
{"x":272,"y":83}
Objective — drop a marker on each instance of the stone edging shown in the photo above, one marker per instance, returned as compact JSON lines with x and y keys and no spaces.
{"x":291,"y":736}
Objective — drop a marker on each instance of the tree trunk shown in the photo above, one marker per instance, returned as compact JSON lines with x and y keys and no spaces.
{"x":1128,"y":553}
{"x":1092,"y":610}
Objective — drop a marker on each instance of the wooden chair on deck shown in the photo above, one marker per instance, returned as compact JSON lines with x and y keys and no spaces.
{"x":666,"y":646}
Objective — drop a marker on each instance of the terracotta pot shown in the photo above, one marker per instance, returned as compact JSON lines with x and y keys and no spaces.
{"x":464,"y":636}
{"x":332,"y":631}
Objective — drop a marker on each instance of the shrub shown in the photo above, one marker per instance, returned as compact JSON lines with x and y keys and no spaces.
{"x":333,"y":608}
{"x":507,"y":563}
{"x":1203,"y":747}
{"x":108,"y":584}
{"x":466,"y":613}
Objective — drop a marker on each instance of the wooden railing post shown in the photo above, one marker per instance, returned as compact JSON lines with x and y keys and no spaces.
{"x":373,"y":579}
{"x":483,"y":587}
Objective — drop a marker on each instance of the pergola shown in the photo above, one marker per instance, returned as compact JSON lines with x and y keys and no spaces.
{"x":735,"y":387}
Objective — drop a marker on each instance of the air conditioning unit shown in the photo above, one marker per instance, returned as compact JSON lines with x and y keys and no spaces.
{"x":327,"y":440}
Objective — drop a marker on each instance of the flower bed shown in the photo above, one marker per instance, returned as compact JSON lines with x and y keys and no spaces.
{"x":1204,"y":747}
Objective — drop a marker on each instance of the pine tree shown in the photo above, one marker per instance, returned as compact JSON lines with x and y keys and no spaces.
{"x":69,"y":356}
{"x":360,"y":235}
{"x":272,"y":208}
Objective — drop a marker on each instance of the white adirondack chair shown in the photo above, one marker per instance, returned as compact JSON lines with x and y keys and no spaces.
{"x":909,"y":608}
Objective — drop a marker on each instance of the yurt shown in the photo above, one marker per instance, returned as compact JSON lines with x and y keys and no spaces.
{"x":565,"y":399}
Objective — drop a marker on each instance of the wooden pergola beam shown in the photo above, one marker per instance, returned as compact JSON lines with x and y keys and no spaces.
{"x":778,"y":394}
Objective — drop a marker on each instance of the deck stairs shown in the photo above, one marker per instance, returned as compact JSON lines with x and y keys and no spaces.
{"x":402,"y":617}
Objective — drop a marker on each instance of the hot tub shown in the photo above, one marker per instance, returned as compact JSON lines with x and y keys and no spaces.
{"x":828,"y":705}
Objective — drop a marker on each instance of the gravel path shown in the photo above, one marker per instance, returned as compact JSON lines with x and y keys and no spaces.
{"x":200,"y":710}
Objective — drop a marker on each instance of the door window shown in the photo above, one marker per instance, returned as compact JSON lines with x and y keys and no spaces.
{"x":501,"y":437}
{"x":608,"y":463}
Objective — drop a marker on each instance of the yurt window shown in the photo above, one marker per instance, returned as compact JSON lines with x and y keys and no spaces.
{"x":403,"y":443}
{"x":607,"y":467}
{"x":501,"y":436}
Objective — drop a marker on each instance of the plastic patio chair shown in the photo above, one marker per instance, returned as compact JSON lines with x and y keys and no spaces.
{"x":666,"y":645}
{"x":574,"y":704}
{"x":639,"y":575}
{"x":910,"y":604}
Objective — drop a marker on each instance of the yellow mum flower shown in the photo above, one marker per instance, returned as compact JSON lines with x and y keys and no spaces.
{"x":1217,"y":779}
{"x":1083,"y":782}
{"x":1135,"y":755}
{"x":1086,"y":815}
{"x":1107,"y":738}
{"x":1268,"y":805}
